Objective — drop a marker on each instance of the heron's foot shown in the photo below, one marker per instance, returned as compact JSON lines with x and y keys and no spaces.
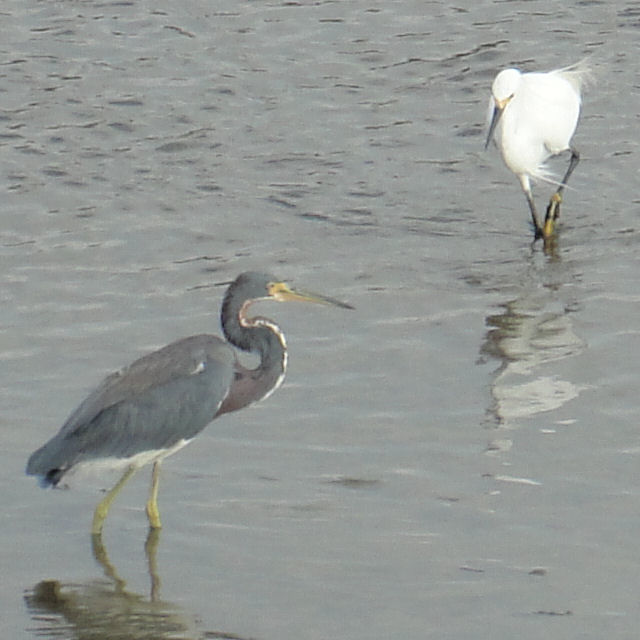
{"x":153,"y":514}
{"x":151,"y":551}
{"x":103,"y":506}
{"x":553,"y":213}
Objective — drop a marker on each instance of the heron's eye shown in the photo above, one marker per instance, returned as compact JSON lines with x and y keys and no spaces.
{"x":277,"y":288}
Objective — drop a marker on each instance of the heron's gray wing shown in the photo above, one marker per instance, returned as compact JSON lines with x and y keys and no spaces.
{"x":180,"y":360}
{"x":162,"y":398}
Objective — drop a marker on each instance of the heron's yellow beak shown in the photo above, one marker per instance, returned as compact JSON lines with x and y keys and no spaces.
{"x":282,"y":292}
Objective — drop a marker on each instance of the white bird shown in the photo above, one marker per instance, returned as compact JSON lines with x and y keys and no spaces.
{"x":534,"y":117}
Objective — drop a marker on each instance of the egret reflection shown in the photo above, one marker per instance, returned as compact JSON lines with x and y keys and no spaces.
{"x":530,"y":332}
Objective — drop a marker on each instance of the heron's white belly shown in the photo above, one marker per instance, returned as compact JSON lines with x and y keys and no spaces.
{"x":120,"y":464}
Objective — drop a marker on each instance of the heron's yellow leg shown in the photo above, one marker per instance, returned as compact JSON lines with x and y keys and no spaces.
{"x":103,"y":506}
{"x":152,"y":504}
{"x":151,"y":551}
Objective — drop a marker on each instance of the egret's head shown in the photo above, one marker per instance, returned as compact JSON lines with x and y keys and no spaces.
{"x":505,"y":86}
{"x":503,"y":89}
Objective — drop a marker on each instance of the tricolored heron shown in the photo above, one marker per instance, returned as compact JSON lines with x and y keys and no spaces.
{"x":534,"y":117}
{"x":160,"y":402}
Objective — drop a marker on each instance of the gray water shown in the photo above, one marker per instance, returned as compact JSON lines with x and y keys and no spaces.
{"x":458,"y":458}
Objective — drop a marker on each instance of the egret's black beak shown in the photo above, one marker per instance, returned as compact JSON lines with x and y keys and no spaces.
{"x":495,"y":118}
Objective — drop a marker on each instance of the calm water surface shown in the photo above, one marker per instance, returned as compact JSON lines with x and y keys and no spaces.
{"x":458,"y":458}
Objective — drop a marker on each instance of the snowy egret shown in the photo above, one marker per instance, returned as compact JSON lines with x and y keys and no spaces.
{"x":534,"y":117}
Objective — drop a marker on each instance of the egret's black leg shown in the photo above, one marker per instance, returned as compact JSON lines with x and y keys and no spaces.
{"x":152,"y":504}
{"x":103,"y":506}
{"x":534,"y":214}
{"x":553,"y":210}
{"x":525,"y":183}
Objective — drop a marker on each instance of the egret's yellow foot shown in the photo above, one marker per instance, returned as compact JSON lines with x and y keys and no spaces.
{"x":547,"y":230}
{"x":553,"y":213}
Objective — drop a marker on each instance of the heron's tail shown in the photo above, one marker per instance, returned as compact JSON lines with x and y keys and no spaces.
{"x":40,"y":464}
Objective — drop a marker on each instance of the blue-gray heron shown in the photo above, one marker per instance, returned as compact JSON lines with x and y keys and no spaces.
{"x":160,"y":402}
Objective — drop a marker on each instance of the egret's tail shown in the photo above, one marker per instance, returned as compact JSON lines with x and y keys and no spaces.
{"x":544,"y":174}
{"x":579,"y":75}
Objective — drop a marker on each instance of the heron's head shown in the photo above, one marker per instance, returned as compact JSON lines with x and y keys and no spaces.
{"x":251,"y":286}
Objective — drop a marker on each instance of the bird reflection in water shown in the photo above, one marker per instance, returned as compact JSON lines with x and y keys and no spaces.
{"x":107,"y":610}
{"x":531,"y":331}
{"x":151,"y":552}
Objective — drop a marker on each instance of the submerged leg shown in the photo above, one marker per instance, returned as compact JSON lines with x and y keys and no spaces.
{"x":534,"y":216}
{"x":526,"y":187}
{"x":152,"y":504}
{"x":103,"y":506}
{"x":553,"y":210}
{"x":151,"y":551}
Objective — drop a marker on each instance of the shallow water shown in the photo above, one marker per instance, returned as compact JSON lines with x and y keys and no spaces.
{"x":458,"y":457}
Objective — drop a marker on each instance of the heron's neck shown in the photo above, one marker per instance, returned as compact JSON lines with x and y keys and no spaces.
{"x":258,"y":335}
{"x":269,"y":342}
